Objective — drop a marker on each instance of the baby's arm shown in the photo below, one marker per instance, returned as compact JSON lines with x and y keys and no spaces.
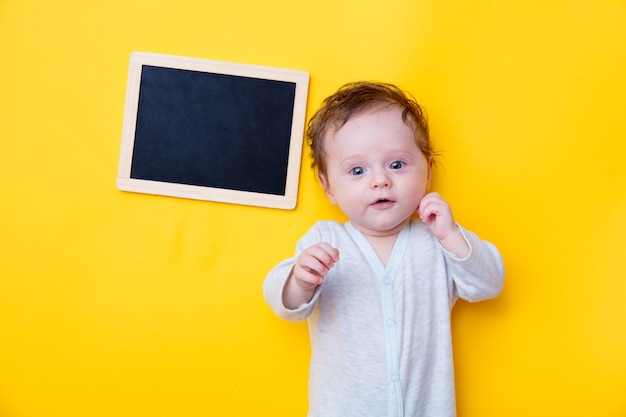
{"x":309,"y":271}
{"x":476,"y":277}
{"x":435,"y":212}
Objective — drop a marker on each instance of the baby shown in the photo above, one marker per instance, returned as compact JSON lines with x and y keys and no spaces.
{"x":377,"y":291}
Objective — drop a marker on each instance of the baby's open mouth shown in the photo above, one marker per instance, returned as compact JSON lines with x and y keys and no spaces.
{"x":383,"y":202}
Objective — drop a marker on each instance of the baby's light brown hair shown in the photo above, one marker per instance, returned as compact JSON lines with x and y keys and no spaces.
{"x":355,"y":98}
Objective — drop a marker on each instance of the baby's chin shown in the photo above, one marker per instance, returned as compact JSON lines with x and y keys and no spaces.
{"x":382,"y":230}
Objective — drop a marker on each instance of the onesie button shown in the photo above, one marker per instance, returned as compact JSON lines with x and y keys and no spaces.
{"x":387,"y":281}
{"x":395,"y":378}
{"x":391,"y":322}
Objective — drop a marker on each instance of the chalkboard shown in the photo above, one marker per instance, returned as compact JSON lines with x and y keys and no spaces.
{"x":212,"y":130}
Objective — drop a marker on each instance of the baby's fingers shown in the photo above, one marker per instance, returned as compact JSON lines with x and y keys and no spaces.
{"x":431,"y":204}
{"x":435,"y":212}
{"x":321,"y":257}
{"x":326,"y":254}
{"x":307,"y":278}
{"x":314,"y":263}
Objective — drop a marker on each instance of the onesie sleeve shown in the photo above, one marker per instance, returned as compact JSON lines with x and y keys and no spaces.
{"x":478,"y":276}
{"x":275,"y":281}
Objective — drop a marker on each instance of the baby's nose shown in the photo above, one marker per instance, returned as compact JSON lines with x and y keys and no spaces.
{"x":380,"y":180}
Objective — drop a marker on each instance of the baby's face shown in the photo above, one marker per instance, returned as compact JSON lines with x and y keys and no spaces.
{"x":375,"y":171}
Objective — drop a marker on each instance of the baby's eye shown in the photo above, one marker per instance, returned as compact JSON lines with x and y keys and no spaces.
{"x":357,"y":171}
{"x":396,"y":165}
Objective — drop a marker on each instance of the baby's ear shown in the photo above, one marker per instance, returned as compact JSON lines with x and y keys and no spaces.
{"x":430,"y":171}
{"x":327,"y":189}
{"x":430,"y":167}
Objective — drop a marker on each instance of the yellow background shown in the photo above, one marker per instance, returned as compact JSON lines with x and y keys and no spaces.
{"x":121,"y":304}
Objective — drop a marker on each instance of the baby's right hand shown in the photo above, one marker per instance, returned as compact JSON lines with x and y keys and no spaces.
{"x":313,"y":264}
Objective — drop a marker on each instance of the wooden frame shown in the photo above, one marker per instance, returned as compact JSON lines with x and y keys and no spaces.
{"x":284,"y":81}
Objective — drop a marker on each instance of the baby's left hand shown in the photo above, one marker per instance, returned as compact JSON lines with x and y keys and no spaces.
{"x":435,"y":212}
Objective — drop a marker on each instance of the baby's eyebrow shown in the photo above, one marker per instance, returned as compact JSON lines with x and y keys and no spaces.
{"x":400,"y":156}
{"x":352,"y":160}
